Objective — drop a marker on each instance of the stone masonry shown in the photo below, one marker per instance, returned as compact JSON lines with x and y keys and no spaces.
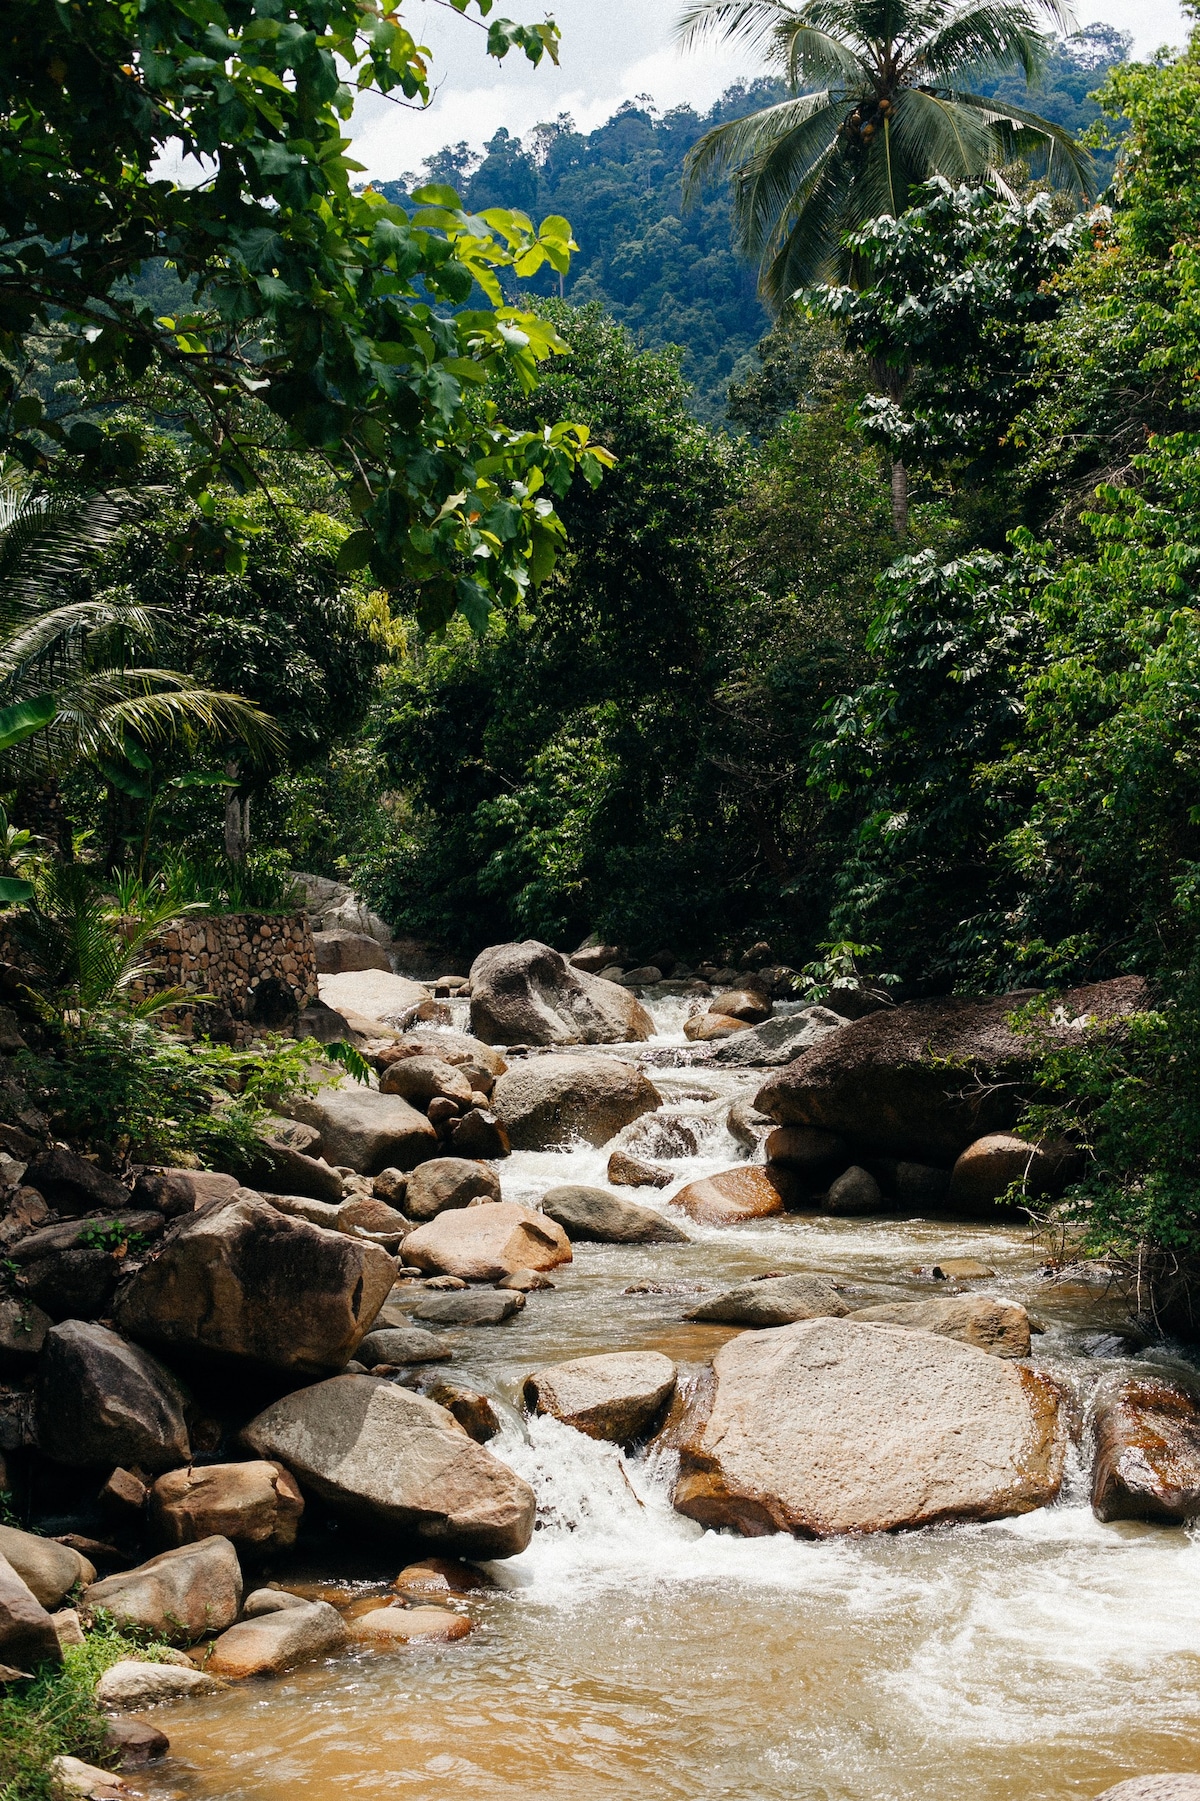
{"x":260,"y":969}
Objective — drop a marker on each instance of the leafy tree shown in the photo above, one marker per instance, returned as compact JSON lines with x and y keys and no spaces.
{"x":326,"y":306}
{"x":880,"y":103}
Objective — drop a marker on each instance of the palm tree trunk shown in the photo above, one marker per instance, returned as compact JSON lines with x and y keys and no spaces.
{"x":237,"y":820}
{"x":899,"y":500}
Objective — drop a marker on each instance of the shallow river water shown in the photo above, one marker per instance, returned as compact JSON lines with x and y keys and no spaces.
{"x":628,"y":1653}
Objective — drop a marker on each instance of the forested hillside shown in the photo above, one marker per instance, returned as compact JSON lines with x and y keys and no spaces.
{"x":665,"y":270}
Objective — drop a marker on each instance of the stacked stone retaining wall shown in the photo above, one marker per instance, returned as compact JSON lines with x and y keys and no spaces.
{"x":247,"y":961}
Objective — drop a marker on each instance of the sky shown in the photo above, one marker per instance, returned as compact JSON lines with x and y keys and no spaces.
{"x":612,"y":50}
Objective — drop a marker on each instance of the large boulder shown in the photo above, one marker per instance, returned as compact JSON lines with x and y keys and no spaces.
{"x":746,"y":1192}
{"x":49,"y":1569}
{"x":394,"y":1462}
{"x":925,"y":1079}
{"x":366,"y":1131}
{"x":593,"y":1216}
{"x":73,"y":1184}
{"x":478,"y":1061}
{"x":256,"y":1506}
{"x":545,"y":1102}
{"x":179,"y":1595}
{"x":773,"y":1301}
{"x":401,"y":1345}
{"x":446,"y":1183}
{"x":529,"y":994}
{"x":27,"y":1635}
{"x":999,"y":1327}
{"x":481,"y":1244}
{"x":420,"y":1080}
{"x":830,"y":1426}
{"x":1147,"y":1452}
{"x":374,"y":993}
{"x":344,"y":953}
{"x":274,"y":1642}
{"x":777,"y":1041}
{"x":248,"y":1282}
{"x":100,"y":1400}
{"x":988,"y":1167}
{"x":619,"y":1396}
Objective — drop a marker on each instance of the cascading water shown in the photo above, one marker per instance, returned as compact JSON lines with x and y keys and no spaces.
{"x":629,"y":1652}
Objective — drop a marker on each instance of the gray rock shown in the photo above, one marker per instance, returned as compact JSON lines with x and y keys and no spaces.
{"x":72,"y":1284}
{"x":376,"y":994}
{"x":72,"y":1184}
{"x":396,"y":1463}
{"x":750,"y":1127}
{"x":998,"y":1327}
{"x":246,"y":1281}
{"x":473,"y":1307}
{"x":776,"y":1301}
{"x":446,"y":1182}
{"x":27,"y":1634}
{"x":175,"y":1191}
{"x":270,"y":1600}
{"x":1155,"y":1788}
{"x":619,"y":1396}
{"x":180,"y":1595}
{"x":301,"y":1206}
{"x":291,"y":1171}
{"x":48,"y":1569}
{"x":402,"y":1345}
{"x":778,"y":1041}
{"x":367,"y":1131}
{"x":341,"y":953}
{"x":592,"y":1215}
{"x":23,"y":1329}
{"x":529,"y":994}
{"x":549,"y":1101}
{"x":274,"y":1642}
{"x":855,"y":1191}
{"x":131,"y":1684}
{"x":101,"y":1400}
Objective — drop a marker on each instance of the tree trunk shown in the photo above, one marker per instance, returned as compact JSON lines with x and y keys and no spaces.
{"x":899,"y":500}
{"x":237,"y":820}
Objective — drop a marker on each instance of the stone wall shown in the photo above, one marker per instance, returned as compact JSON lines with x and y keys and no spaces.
{"x":260,"y":968}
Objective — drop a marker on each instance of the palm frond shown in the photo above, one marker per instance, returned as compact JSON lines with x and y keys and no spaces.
{"x":748,"y":22}
{"x":1018,"y":131}
{"x":48,"y":541}
{"x":808,"y":247}
{"x":744,"y":143}
{"x":816,"y":58}
{"x":983,"y":36}
{"x":933,"y":135}
{"x":59,"y":635}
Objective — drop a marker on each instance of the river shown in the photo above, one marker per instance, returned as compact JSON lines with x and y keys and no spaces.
{"x":628,"y":1653}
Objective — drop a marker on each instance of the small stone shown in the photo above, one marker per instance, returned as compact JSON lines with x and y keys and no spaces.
{"x":404,"y":1345}
{"x":73,"y":1777}
{"x":961,"y":1269}
{"x":473,"y":1411}
{"x":444,"y":1284}
{"x":441,"y":1576}
{"x":135,"y":1742}
{"x":525,"y":1281}
{"x":68,"y":1626}
{"x":274,"y":1642}
{"x":626,"y":1171}
{"x":269,"y":1600}
{"x":476,"y":1307}
{"x":855,"y":1192}
{"x":392,"y":1625}
{"x":124,"y":1496}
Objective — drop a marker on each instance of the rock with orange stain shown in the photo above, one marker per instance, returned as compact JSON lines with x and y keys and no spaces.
{"x":747,"y":1192}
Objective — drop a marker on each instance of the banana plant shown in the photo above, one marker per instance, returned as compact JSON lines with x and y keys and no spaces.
{"x":17,"y":723}
{"x":135,"y":775}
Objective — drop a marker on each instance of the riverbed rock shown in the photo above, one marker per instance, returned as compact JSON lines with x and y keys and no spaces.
{"x":810,"y":1152}
{"x":403,"y":1345}
{"x":366,"y":1131}
{"x":256,"y":1506}
{"x":924,"y":1080}
{"x":998,"y":1327}
{"x":287,"y":1170}
{"x":474,"y":1307}
{"x":175,"y":1191}
{"x":48,"y":1569}
{"x":746,"y":1192}
{"x":180,"y":1595}
{"x":713,"y":1027}
{"x":344,"y":953}
{"x":473,"y":1411}
{"x":376,"y":994}
{"x":101,"y":1400}
{"x":988,"y":1167}
{"x":627,"y":1171}
{"x":748,"y":1004}
{"x":245,"y":1281}
{"x":440,"y":1576}
{"x":132,"y":1684}
{"x":478,"y":1133}
{"x":27,"y":1635}
{"x":480,"y":1063}
{"x":395,"y":1462}
{"x":393,"y":1625}
{"x":619,"y":1396}
{"x":73,"y":1184}
{"x":592,"y":1215}
{"x":132,"y":1742}
{"x":1147,"y":1452}
{"x":750,"y":1127}
{"x":420,"y":1080}
{"x":274,"y":1642}
{"x":548,"y":1101}
{"x":921,"y":1185}
{"x":1155,"y":1788}
{"x":855,"y":1192}
{"x":774,"y":1301}
{"x":23,"y":1329}
{"x":529,"y":994}
{"x":831,"y":1426}
{"x":446,"y":1183}
{"x":777,"y":1041}
{"x":481,"y":1244}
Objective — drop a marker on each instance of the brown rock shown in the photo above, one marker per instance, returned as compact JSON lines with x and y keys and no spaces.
{"x":48,"y":1569}
{"x":473,"y":1411}
{"x":744,"y":1003}
{"x":989,"y":1166}
{"x":391,"y":1186}
{"x":999,"y":1327}
{"x":254,"y":1505}
{"x":134,"y":1683}
{"x":592,"y":1215}
{"x":549,"y":1101}
{"x":394,"y":1625}
{"x":176,"y":1191}
{"x":712,"y":1027}
{"x":1147,"y":1452}
{"x":274,"y":1642}
{"x":441,"y":1576}
{"x":71,"y":1776}
{"x":808,"y":1151}
{"x":287,"y":1170}
{"x":376,"y":994}
{"x":619,"y":1396}
{"x":367,"y":1131}
{"x":133,"y":1742}
{"x":420,"y":1080}
{"x":73,"y":1184}
{"x":23,"y":1329}
{"x":124,"y":1496}
{"x":100,"y":1400}
{"x":179,"y":1595}
{"x":446,"y":1183}
{"x":479,"y":1062}
{"x":961,"y":1269}
{"x":27,"y":1635}
{"x":855,"y":1192}
{"x":342,"y":953}
{"x":481,"y":1244}
{"x":831,"y":1426}
{"x":365,"y":1214}
{"x":245,"y":1281}
{"x":746,"y":1192}
{"x":625,"y":1171}
{"x":772,"y":1301}
{"x":478,"y":1134}
{"x":529,"y":994}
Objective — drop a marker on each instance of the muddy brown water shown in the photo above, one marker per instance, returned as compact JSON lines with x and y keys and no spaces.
{"x":629,"y":1653}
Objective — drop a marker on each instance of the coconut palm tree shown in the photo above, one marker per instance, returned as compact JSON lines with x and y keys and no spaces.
{"x":881,"y":101}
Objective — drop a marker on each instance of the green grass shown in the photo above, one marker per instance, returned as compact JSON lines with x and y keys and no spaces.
{"x":56,"y":1714}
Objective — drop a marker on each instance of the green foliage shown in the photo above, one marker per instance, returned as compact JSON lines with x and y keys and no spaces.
{"x":845,"y":968}
{"x":56,"y":1715}
{"x":309,"y":308}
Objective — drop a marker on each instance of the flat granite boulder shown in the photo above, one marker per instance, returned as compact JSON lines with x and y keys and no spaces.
{"x":775,"y":1301}
{"x":133,"y":1683}
{"x":481,"y":1244}
{"x":255,"y":1505}
{"x":777,"y":1041}
{"x":998,"y":1327}
{"x":375,"y":993}
{"x":366,"y":1131}
{"x":248,"y":1282}
{"x":529,"y":994}
{"x":1155,"y":1788}
{"x":395,"y":1463}
{"x":545,"y":1102}
{"x":831,"y":1426}
{"x":593,"y":1216}
{"x":619,"y":1396}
